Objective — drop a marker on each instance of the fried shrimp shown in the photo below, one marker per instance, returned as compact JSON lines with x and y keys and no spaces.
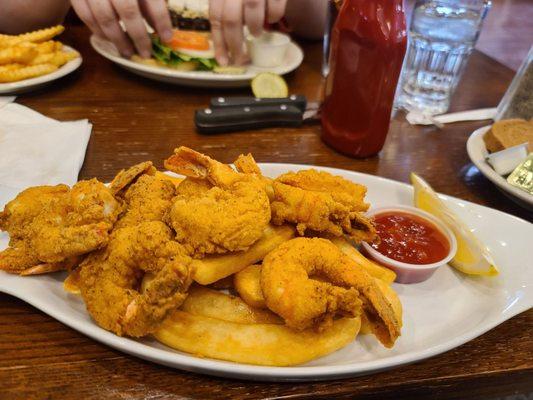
{"x":127,"y":176}
{"x":309,"y":282}
{"x":219,"y":210}
{"x":321,"y":202}
{"x":50,"y":226}
{"x":246,"y":164}
{"x":109,"y":279}
{"x":147,"y":196}
{"x":148,"y":199}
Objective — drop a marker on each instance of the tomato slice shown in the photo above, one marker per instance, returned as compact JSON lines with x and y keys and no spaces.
{"x":189,"y":40}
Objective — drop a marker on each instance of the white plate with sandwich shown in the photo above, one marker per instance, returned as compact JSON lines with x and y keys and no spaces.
{"x":189,"y":58}
{"x":503,"y":139}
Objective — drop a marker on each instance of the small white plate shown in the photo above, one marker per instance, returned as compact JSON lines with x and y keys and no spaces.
{"x":475,"y":146}
{"x":293,"y":59}
{"x":444,"y":312}
{"x":34,"y":83}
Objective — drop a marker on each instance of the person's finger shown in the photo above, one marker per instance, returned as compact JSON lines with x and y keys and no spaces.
{"x":254,"y":15}
{"x":275,"y":10}
{"x":86,"y":15}
{"x":130,"y":14}
{"x":232,"y":29}
{"x":157,"y":14}
{"x":107,"y":20}
{"x":216,"y":8}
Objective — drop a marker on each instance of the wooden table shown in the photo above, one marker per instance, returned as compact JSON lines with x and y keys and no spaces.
{"x":136,"y":119}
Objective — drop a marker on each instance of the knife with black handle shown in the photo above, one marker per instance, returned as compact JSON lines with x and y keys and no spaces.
{"x":239,"y":118}
{"x":226,"y":102}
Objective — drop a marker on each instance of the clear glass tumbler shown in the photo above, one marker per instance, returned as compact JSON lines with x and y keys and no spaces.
{"x":442,"y":35}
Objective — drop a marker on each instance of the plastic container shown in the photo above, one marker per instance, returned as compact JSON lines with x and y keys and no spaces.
{"x":412,"y":273}
{"x":268,"y":50}
{"x":518,"y":99}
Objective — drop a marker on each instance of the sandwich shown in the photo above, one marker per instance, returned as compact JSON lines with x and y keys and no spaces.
{"x":191,"y":47}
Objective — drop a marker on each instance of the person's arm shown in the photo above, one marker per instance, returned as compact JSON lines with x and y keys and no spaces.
{"x":307,"y":18}
{"x":19,"y":16}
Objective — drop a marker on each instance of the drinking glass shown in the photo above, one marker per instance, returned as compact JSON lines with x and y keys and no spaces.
{"x":442,"y":35}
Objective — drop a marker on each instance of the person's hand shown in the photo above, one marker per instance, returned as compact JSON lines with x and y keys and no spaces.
{"x":103,"y":16}
{"x":227,"y":19}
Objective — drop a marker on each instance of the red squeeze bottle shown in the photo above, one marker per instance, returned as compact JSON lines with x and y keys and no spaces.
{"x":368,"y":43}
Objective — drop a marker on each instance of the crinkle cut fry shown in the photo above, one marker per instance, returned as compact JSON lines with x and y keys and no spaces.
{"x":41,"y":35}
{"x":33,"y":71}
{"x":17,"y":54}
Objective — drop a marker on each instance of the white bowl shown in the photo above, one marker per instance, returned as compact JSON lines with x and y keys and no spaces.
{"x":268,"y":50}
{"x":412,"y":273}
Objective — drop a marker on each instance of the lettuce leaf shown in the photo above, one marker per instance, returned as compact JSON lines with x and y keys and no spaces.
{"x":172,"y":58}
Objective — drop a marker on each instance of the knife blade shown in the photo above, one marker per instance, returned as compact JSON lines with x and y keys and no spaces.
{"x":250,"y":117}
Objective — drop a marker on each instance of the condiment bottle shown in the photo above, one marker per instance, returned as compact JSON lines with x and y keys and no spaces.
{"x":368,"y":43}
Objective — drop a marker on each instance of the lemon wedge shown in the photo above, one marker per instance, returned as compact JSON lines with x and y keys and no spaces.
{"x":267,"y":85}
{"x":472,"y":257}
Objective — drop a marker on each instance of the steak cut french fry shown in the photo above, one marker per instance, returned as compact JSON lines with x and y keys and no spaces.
{"x":259,"y":344}
{"x":26,"y":72}
{"x":214,"y":304}
{"x":375,"y":270}
{"x":212,"y":268}
{"x":248,"y":284}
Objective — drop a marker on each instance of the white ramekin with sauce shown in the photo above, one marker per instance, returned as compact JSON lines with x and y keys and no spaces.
{"x":413,"y":243}
{"x":269,"y":49}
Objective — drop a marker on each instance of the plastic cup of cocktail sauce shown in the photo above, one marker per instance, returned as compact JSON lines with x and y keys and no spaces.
{"x":406,"y":272}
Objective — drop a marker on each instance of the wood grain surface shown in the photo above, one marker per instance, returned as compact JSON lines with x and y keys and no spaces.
{"x":136,"y":119}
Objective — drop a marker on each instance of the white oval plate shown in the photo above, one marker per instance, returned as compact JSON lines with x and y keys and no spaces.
{"x":34,"y":83}
{"x":293,"y":59}
{"x":440,"y":314}
{"x":475,"y":146}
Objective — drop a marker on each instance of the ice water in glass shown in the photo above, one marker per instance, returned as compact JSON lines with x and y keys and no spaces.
{"x":441,"y":37}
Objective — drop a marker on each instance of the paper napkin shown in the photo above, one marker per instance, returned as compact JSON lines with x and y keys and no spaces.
{"x":37,"y":150}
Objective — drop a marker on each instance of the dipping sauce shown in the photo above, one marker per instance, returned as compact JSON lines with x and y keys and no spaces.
{"x":409,"y":238}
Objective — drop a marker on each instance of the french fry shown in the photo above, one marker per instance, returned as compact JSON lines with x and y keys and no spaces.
{"x":50,"y":46}
{"x":393,"y":299}
{"x":212,"y":268}
{"x":259,"y":344}
{"x":57,"y":58}
{"x":41,"y":35}
{"x":11,"y":67}
{"x":146,"y":61}
{"x":248,"y":284}
{"x":223,"y":284}
{"x":214,"y":304}
{"x":26,"y":72}
{"x":375,"y":270}
{"x":17,"y":54}
{"x":32,"y":54}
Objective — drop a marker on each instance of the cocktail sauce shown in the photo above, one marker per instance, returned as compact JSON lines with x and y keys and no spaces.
{"x":409,"y":238}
